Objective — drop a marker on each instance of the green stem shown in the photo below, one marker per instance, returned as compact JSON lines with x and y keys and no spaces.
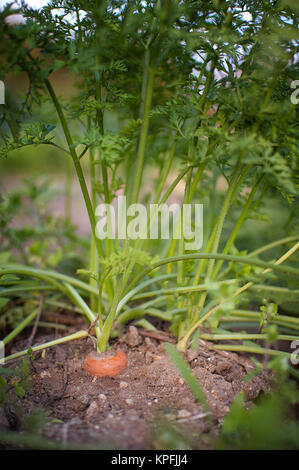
{"x":277,"y":289}
{"x":165,"y":172}
{"x":77,"y":164}
{"x":273,"y":245}
{"x":93,"y":259}
{"x":47,"y":324}
{"x":20,"y":327}
{"x":256,"y":315}
{"x":207,"y":86}
{"x":237,"y":179}
{"x":239,"y":259}
{"x":183,"y":342}
{"x":250,"y":349}
{"x":68,"y":191}
{"x":80,"y":302}
{"x":14,"y":290}
{"x":244,"y":337}
{"x":213,"y":243}
{"x":106,"y":331}
{"x":134,"y":313}
{"x":180,"y":266}
{"x":129,"y":295}
{"x":143,"y":136}
{"x":55,"y":342}
{"x":237,"y":226}
{"x":241,"y":323}
{"x":33,"y":272}
{"x":180,"y":290}
{"x":46,"y":275}
{"x":79,"y":26}
{"x":196,"y":180}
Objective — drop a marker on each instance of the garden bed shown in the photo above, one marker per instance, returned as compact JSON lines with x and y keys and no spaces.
{"x":133,"y":410}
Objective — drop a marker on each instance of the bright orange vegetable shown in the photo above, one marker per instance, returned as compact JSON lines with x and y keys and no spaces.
{"x":108,"y":364}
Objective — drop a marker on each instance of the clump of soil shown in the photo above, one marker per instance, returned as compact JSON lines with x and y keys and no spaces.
{"x":126,"y":411}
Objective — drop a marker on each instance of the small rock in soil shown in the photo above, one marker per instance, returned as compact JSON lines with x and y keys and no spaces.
{"x":133,"y":338}
{"x":45,"y":373}
{"x":84,"y":399}
{"x":184,"y":414}
{"x":93,"y":410}
{"x":123,"y":384}
{"x":150,"y":346}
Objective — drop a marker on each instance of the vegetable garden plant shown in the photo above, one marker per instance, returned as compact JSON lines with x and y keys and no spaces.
{"x":198,"y":90}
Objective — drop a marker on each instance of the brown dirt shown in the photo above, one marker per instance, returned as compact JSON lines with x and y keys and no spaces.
{"x":127,"y":411}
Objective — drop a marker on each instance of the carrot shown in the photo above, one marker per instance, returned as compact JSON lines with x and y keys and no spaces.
{"x":108,"y":364}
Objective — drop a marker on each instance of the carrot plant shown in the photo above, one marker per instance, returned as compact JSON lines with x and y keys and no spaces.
{"x":171,"y":95}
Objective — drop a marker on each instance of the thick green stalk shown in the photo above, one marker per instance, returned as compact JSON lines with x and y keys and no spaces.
{"x":80,"y":302}
{"x":207,"y":87}
{"x":180,"y":290}
{"x":203,"y":69}
{"x":256,"y":315}
{"x":32,"y":272}
{"x":77,"y":164}
{"x":47,"y":324}
{"x":14,"y":290}
{"x":277,"y":289}
{"x":237,"y":226}
{"x":93,"y":258}
{"x":64,"y":339}
{"x":143,"y":136}
{"x":20,"y":327}
{"x":237,"y":179}
{"x":165,"y":172}
{"x":273,"y":245}
{"x":108,"y":325}
{"x":65,"y":287}
{"x":180,"y":266}
{"x":68,"y":191}
{"x":135,"y":313}
{"x":61,"y":305}
{"x":51,"y":277}
{"x":294,"y":272}
{"x":184,"y":341}
{"x":196,"y":180}
{"x":232,"y":321}
{"x":193,"y":188}
{"x":79,"y":26}
{"x":104,"y":169}
{"x":250,"y":349}
{"x":245,"y":337}
{"x":131,"y":293}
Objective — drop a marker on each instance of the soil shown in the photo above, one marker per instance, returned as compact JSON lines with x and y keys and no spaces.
{"x":129,"y":411}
